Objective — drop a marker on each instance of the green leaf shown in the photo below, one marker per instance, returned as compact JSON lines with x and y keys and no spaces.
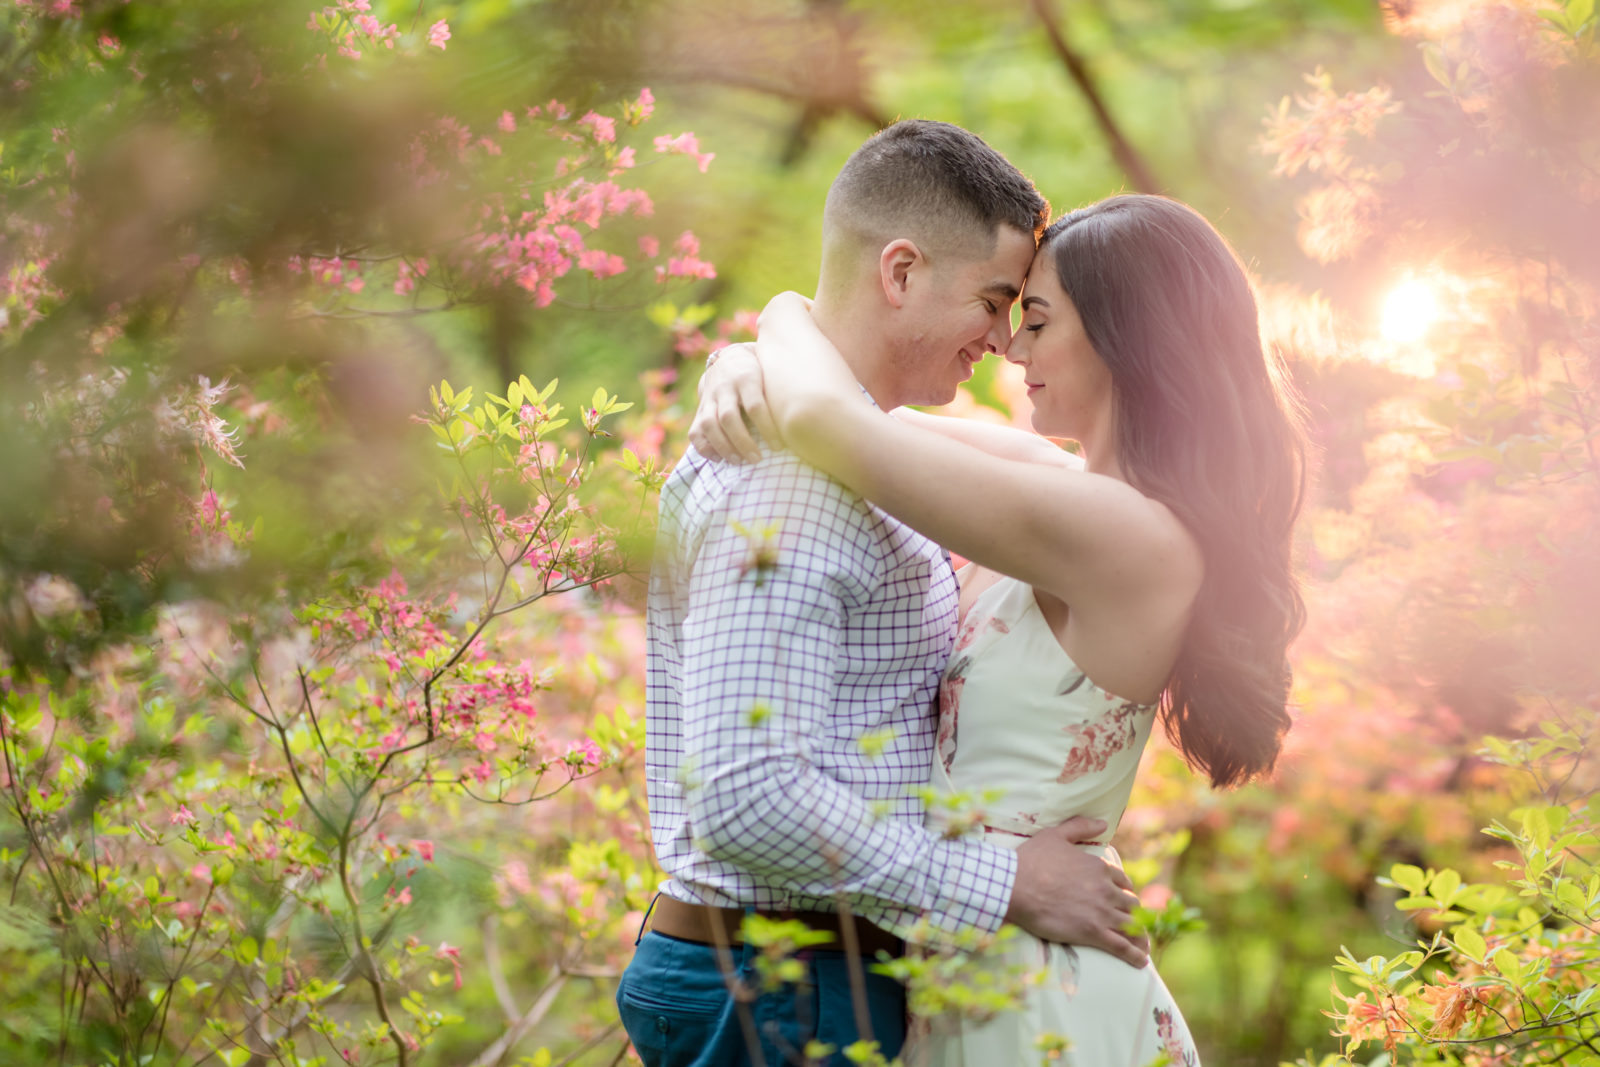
{"x":1411,"y":879}
{"x":247,"y":951}
{"x":1470,"y":943}
{"x":1433,"y":59}
{"x":1446,"y":884}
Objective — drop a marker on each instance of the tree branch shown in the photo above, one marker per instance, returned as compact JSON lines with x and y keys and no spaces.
{"x":1122,"y":150}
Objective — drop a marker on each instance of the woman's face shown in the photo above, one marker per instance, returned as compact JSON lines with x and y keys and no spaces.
{"x":1068,"y":383}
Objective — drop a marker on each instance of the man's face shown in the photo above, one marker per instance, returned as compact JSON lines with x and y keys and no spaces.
{"x":960,"y":312}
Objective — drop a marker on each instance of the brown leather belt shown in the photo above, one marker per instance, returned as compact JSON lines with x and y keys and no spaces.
{"x":694,"y":922}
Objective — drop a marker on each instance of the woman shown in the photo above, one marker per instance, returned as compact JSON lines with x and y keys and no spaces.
{"x":1150,"y":580}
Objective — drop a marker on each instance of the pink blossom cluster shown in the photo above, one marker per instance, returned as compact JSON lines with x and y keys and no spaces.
{"x":685,"y":144}
{"x":690,"y":342}
{"x":602,"y":128}
{"x":1313,"y":134}
{"x":334,"y":271}
{"x":190,"y":412}
{"x":407,"y":273}
{"x":641,"y":109}
{"x":538,"y":247}
{"x":23,"y":290}
{"x":360,"y":26}
{"x":528,"y":234}
{"x":687,"y":262}
{"x":51,"y":8}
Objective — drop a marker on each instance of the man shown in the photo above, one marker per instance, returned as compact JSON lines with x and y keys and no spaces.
{"x":796,"y":639}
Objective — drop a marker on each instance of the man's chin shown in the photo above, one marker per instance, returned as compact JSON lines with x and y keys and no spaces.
{"x":936,"y":397}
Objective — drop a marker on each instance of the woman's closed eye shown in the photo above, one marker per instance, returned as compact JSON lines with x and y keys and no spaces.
{"x":1034,"y":328}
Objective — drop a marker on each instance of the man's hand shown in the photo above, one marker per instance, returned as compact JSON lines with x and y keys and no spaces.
{"x":730,"y":394}
{"x":1073,"y":897}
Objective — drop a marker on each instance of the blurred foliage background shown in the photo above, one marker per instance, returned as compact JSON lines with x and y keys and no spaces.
{"x":242,"y":240}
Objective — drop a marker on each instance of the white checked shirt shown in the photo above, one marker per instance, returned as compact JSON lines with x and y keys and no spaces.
{"x":844,"y":639}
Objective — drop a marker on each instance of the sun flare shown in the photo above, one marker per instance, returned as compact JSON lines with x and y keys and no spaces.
{"x":1408,"y":311}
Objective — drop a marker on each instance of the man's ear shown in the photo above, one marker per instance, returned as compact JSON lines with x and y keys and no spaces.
{"x":895,"y":264}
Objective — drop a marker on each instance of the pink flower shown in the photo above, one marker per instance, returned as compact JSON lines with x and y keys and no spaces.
{"x":685,"y":267}
{"x":604,"y":129}
{"x":685,"y":144}
{"x":423,"y":849}
{"x":508,"y":122}
{"x":209,"y":509}
{"x":447,"y":951}
{"x":649,"y":247}
{"x":645,"y":104}
{"x":583,"y":754}
{"x":601,"y":264}
{"x":183,"y":816}
{"x":438,"y":34}
{"x":624,"y":160}
{"x":1155,"y":896}
{"x":516,"y":875}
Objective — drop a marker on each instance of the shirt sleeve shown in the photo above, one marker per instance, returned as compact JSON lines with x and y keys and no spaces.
{"x":771,"y":588}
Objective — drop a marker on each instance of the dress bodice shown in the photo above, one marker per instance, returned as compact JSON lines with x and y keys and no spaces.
{"x":1018,"y":717}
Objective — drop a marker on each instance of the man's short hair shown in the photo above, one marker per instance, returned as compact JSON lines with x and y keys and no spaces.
{"x":935,"y":184}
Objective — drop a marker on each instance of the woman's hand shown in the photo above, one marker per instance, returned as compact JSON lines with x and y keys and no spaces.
{"x":803,"y":373}
{"x":731,"y":402}
{"x":778,"y":387}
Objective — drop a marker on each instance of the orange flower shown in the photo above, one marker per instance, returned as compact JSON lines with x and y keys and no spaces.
{"x":1452,"y":1004}
{"x":1362,"y":1021}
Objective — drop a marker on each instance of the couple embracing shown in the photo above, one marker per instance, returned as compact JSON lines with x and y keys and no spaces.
{"x":814,"y":663}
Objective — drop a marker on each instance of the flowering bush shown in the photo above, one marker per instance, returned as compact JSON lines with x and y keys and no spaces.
{"x":1454,"y":545}
{"x":294,"y":651}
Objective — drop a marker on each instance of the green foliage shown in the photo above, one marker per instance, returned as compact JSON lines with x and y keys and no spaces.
{"x":1511,"y":963}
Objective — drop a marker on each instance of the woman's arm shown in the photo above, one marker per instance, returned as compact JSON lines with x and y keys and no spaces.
{"x":1006,"y":442}
{"x":732,"y":404}
{"x":1064,"y":530}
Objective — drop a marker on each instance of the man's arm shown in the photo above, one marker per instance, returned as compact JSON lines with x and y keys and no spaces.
{"x":761,"y":648}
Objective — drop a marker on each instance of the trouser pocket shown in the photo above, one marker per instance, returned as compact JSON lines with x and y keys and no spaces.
{"x":674,"y":1004}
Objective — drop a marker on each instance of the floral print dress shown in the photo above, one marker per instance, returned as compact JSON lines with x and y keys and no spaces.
{"x":1017,"y":716}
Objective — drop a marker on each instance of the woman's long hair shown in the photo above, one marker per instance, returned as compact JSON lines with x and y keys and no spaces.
{"x":1207,"y":424}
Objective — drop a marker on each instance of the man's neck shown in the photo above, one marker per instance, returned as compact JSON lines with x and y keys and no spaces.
{"x":862,"y":347}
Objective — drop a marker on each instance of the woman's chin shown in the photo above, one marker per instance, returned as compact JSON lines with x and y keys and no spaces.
{"x":1042,"y":424}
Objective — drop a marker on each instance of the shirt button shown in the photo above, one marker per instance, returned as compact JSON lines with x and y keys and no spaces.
{"x":662,"y":1024}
